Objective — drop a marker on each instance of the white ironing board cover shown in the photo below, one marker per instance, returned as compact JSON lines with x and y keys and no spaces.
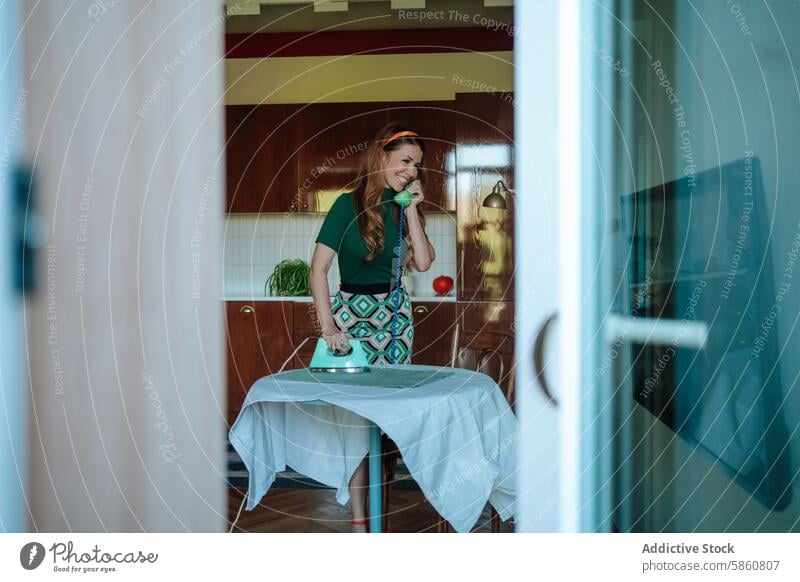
{"x":457,"y":436}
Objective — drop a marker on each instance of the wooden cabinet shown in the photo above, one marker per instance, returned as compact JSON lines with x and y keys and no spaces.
{"x":260,"y":157}
{"x":434,"y":322}
{"x":298,"y":158}
{"x":333,"y":137}
{"x":259,"y":342}
{"x":485,"y":154}
{"x":305,"y":326}
{"x":487,"y":316}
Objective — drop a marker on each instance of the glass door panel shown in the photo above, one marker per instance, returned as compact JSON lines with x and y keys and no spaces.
{"x":702,"y":243}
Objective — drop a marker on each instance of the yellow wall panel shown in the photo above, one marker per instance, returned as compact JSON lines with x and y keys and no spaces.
{"x":359,"y":78}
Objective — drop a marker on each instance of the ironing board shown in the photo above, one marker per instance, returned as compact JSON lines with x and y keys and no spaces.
{"x":457,"y":436}
{"x":388,"y":377}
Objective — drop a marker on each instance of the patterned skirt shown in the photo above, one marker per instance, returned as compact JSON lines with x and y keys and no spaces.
{"x":368,"y":317}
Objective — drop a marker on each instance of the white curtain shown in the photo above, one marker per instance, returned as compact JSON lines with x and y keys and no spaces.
{"x":125,"y":332}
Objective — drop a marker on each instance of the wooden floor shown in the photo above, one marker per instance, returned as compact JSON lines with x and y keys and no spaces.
{"x":317,"y":511}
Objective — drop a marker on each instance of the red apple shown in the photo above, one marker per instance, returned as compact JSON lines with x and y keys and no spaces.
{"x":442,"y":285}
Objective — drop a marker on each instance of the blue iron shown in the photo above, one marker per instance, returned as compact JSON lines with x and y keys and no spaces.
{"x":353,"y":361}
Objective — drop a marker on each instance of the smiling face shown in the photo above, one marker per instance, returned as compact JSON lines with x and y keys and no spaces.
{"x":400,"y":166}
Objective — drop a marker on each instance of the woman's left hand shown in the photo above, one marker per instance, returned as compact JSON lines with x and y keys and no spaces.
{"x":418,"y":195}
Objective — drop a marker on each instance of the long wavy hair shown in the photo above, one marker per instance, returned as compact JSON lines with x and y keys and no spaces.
{"x":368,"y":188}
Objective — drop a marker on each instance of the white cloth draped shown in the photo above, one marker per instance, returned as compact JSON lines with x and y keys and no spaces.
{"x":457,"y":436}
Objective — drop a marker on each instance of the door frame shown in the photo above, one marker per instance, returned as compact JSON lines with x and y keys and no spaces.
{"x":13,"y":386}
{"x":551,"y":247}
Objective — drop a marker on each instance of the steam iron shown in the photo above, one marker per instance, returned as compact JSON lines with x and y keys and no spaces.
{"x":351,"y":362}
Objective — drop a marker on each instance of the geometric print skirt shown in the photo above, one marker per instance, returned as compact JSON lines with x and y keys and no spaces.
{"x":368,"y":317}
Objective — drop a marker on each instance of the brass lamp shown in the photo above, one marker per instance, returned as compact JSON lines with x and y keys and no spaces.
{"x":496,"y":199}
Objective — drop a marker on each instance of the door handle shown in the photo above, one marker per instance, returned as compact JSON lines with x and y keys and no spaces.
{"x":29,"y":232}
{"x":538,"y":358}
{"x":246,"y":309}
{"x":420,"y":309}
{"x":654,"y":331}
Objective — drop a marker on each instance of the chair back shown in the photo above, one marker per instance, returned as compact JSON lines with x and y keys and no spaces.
{"x":487,"y":352}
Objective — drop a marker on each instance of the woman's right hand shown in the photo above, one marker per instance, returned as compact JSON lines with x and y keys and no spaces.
{"x":337,"y":340}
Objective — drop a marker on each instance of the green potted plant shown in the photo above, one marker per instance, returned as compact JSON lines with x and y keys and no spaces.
{"x":290,"y":278}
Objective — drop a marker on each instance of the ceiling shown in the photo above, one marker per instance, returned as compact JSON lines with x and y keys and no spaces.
{"x":305,"y":15}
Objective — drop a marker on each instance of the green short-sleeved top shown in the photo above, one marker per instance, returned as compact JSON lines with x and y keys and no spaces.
{"x":340,"y":232}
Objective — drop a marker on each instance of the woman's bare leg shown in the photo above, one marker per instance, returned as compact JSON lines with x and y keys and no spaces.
{"x":358,"y":495}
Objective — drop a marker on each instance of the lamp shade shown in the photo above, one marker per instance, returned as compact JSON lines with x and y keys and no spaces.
{"x":496,"y":199}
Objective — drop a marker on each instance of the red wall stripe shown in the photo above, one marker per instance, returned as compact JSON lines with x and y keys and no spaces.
{"x":372,"y":42}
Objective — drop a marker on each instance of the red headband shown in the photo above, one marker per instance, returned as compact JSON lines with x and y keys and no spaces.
{"x":398,"y":135}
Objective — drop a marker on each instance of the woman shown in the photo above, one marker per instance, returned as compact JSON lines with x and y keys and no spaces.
{"x":361,"y":228}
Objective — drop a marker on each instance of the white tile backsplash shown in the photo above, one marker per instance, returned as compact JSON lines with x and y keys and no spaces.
{"x":255,"y":243}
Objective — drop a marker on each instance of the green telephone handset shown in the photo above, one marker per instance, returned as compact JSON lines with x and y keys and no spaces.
{"x":404,"y":197}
